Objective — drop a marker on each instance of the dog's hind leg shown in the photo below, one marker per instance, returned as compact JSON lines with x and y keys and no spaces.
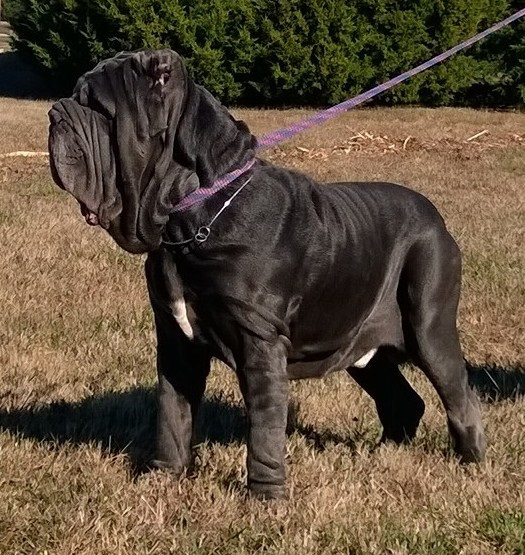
{"x":399,"y":407}
{"x":431,"y":286}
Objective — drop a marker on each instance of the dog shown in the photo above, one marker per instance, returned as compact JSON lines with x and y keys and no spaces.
{"x":276,"y":275}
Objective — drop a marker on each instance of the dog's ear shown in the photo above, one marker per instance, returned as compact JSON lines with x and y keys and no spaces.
{"x":161,"y":73}
{"x":210,"y":139}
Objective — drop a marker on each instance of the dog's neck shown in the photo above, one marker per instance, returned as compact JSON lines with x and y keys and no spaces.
{"x":210,"y":142}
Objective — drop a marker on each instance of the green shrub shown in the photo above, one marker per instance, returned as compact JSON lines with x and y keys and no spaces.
{"x":505,"y":52}
{"x":285,"y":52}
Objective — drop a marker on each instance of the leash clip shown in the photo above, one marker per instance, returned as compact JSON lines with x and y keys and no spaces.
{"x":202,"y":234}
{"x":204,"y":231}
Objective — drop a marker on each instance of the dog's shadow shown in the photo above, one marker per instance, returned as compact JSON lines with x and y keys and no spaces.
{"x":120,"y":422}
{"x":496,"y":383}
{"x":124,"y":422}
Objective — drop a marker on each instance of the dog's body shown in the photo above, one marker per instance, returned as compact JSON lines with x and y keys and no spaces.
{"x":318,"y":267}
{"x":295,"y":280}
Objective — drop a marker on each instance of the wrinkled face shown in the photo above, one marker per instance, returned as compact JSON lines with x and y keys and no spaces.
{"x":111,"y":144}
{"x":82,"y":161}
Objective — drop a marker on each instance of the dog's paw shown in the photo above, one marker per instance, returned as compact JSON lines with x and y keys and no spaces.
{"x":266,"y":492}
{"x":174,"y":470}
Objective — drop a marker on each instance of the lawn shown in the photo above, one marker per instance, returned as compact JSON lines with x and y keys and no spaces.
{"x":77,"y":368}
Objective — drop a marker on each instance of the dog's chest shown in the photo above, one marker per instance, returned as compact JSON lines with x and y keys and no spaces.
{"x":168,"y":291}
{"x":185,"y":316}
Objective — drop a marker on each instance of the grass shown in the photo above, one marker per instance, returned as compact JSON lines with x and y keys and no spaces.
{"x":77,"y":403}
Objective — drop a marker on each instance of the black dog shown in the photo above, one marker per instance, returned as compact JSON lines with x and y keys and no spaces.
{"x":296,"y":279}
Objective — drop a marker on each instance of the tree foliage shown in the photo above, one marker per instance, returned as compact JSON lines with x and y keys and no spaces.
{"x":287,"y":52}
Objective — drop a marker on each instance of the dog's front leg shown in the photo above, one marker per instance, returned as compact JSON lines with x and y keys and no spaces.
{"x":182,"y":370}
{"x":264,"y":384}
{"x":182,"y":365}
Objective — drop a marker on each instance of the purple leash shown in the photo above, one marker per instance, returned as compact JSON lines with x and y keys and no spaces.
{"x":281,"y":135}
{"x":203,"y":193}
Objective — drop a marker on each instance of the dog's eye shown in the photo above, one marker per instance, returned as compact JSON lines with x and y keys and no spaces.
{"x":162,"y":74}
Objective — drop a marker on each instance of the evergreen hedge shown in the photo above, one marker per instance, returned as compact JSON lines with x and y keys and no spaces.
{"x":287,"y":52}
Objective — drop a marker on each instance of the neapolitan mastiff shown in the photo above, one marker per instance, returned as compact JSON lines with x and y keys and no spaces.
{"x":296,"y":279}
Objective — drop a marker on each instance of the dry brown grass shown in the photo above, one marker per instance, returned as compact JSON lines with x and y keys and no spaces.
{"x":77,"y":369}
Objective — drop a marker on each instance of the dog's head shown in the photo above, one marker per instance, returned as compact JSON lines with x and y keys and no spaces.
{"x":136,"y":136}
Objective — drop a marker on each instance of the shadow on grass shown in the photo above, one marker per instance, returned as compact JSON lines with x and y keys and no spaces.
{"x":119,"y":422}
{"x":497,"y":383}
{"x":125,"y":421}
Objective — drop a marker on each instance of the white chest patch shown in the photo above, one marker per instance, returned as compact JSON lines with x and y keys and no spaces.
{"x":365,"y":359}
{"x":180,"y":314}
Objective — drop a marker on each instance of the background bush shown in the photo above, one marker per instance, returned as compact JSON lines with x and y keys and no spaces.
{"x":287,"y":52}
